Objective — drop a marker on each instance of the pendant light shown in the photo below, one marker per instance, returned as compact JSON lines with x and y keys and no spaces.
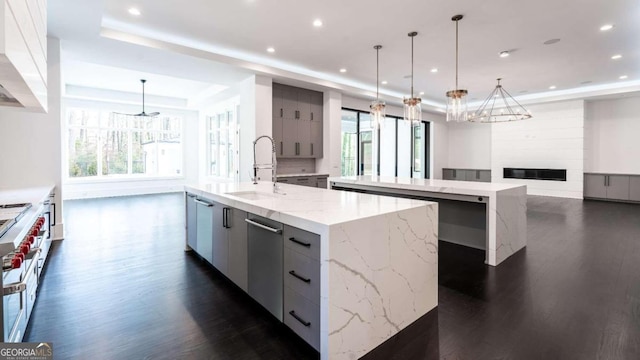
{"x":377,"y":107}
{"x":457,"y":98}
{"x":500,"y":106}
{"x":412,"y":107}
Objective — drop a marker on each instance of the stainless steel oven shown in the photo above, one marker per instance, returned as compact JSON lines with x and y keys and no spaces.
{"x":20,"y":272}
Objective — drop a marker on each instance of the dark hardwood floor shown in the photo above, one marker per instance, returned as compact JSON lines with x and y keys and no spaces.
{"x":120,"y":286}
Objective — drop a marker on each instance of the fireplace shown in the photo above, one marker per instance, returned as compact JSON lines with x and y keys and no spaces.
{"x":535,"y":174}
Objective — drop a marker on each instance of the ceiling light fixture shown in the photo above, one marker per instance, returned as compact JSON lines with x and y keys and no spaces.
{"x":434,"y":70}
{"x":134,"y":11}
{"x":271,"y":50}
{"x":606,"y":27}
{"x":421,"y":93}
{"x":623,"y":77}
{"x":457,"y":98}
{"x":377,"y":107}
{"x":616,"y":57}
{"x":317,"y":23}
{"x":552,"y":87}
{"x":412,"y":107}
{"x":343,"y":70}
{"x":500,"y":106}
{"x":504,"y":54}
{"x":384,"y":82}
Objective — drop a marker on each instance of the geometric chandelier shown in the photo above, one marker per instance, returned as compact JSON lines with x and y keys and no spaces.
{"x":500,"y":106}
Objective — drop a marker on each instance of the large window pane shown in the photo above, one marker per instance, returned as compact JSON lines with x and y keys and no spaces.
{"x":418,"y":152}
{"x":144,"y":153}
{"x":404,"y":149}
{"x":115,"y":152}
{"x":366,"y":145}
{"x":170,"y":155}
{"x":349,"y":142}
{"x":388,"y":148}
{"x":83,"y":152}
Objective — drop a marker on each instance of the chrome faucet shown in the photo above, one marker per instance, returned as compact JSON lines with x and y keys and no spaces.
{"x":272,"y":166}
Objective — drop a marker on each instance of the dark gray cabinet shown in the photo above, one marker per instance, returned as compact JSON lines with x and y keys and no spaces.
{"x":297,"y":122}
{"x":204,"y":229}
{"x":220,"y":239}
{"x":190,"y":208}
{"x":479,"y":175}
{"x":237,"y":235}
{"x":312,"y":181}
{"x":610,"y":187}
{"x":634,"y":188}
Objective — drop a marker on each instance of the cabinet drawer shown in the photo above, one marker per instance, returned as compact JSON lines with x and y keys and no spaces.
{"x":302,"y":241}
{"x":322,"y":182}
{"x":302,"y":274}
{"x":305,"y":181}
{"x":302,"y":316}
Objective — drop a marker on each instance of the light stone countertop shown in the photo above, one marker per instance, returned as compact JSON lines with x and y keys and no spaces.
{"x":301,"y":175}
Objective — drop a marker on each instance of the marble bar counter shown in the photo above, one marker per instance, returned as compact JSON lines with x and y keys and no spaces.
{"x":378,"y":257}
{"x":487,"y":216}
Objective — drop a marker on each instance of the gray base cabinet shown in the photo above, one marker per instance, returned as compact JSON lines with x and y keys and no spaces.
{"x":237,"y":235}
{"x":611,"y":187}
{"x":204,"y":229}
{"x":312,"y":181}
{"x":479,"y":175}
{"x":190,"y":207}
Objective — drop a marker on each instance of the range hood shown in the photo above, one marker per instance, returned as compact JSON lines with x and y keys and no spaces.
{"x":23,"y":55}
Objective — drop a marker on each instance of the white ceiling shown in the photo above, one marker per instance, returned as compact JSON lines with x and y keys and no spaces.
{"x":237,"y":33}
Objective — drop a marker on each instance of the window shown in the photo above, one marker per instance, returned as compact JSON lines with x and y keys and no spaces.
{"x":222,"y":153}
{"x":402,"y":150}
{"x":103,"y":144}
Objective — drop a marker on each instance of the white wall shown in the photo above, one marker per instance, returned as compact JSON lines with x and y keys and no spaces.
{"x":331,"y":160}
{"x":469,"y":145}
{"x":553,"y":138}
{"x":30,"y":143}
{"x":611,"y":136}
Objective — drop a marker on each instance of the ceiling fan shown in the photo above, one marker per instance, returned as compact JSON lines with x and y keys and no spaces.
{"x":142,"y":113}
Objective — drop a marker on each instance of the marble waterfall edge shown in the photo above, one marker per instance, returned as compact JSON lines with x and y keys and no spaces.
{"x":382,"y":276}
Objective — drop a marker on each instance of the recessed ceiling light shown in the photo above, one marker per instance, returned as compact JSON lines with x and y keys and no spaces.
{"x":606,"y":27}
{"x":616,"y":57}
{"x":434,"y":70}
{"x":552,"y":87}
{"x":421,"y":92}
{"x":317,"y":23}
{"x":384,"y":82}
{"x":134,"y":11}
{"x":623,"y":77}
{"x":343,"y":70}
{"x":271,"y":50}
{"x":551,"y":41}
{"x":504,"y":54}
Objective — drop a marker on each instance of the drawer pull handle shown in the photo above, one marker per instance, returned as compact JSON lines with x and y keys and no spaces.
{"x":293,"y":273}
{"x":299,"y":242}
{"x":301,"y":320}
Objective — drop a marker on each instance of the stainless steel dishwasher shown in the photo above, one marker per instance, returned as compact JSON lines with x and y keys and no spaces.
{"x":265,"y":262}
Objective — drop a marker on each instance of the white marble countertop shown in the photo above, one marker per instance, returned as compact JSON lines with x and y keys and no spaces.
{"x":430,"y":185}
{"x":301,"y":175}
{"x":35,"y":196}
{"x":308,"y":208}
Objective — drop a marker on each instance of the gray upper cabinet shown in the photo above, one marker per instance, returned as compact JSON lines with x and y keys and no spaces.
{"x":611,"y":186}
{"x":297,"y":122}
{"x":634,"y":188}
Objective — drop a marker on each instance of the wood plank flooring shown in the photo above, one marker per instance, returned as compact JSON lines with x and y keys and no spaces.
{"x":120,"y":286}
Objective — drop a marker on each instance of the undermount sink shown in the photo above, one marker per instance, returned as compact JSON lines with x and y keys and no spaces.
{"x":252,"y":195}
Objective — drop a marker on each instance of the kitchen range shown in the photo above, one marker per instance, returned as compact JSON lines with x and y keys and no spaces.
{"x":25,"y":240}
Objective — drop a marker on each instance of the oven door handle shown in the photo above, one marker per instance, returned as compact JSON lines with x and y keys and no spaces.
{"x":18,"y":287}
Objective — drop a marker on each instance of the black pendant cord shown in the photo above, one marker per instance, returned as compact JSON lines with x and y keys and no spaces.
{"x":378,"y":72}
{"x":143,"y":81}
{"x":456,"y":54}
{"x":412,"y":36}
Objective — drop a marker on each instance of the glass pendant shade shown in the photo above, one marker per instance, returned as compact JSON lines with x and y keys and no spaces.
{"x":413,"y":110}
{"x":377,"y":106}
{"x":378,"y":114}
{"x":412,"y":105}
{"x":500,"y":106}
{"x":457,"y":105}
{"x":457,"y":99}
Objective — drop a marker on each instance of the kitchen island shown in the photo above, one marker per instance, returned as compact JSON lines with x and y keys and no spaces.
{"x":376,"y":258}
{"x":487,"y":216}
